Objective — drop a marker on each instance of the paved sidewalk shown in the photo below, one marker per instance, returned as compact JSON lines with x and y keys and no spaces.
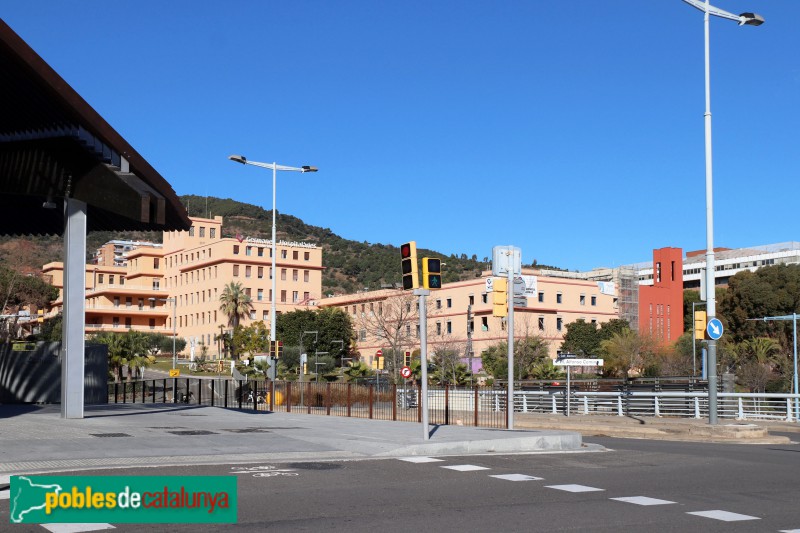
{"x":687,"y":429}
{"x":36,"y":438}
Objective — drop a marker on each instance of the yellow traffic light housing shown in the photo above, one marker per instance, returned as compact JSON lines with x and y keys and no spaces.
{"x":407,"y":358}
{"x":700,"y":320}
{"x":431,"y":273}
{"x":500,"y":297}
{"x":408,"y":255}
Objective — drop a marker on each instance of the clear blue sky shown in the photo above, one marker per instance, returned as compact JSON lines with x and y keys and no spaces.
{"x":571,"y":129}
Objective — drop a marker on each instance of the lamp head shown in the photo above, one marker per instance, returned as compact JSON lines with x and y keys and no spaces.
{"x":751,"y":19}
{"x":307,"y":168}
{"x":238,"y":158}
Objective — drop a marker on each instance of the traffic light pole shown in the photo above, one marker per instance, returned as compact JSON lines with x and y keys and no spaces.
{"x":423,"y":357}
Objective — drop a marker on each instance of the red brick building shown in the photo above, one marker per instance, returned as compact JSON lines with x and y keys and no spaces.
{"x":661,"y":305}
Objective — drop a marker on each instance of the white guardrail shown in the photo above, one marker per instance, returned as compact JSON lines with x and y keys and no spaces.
{"x":739,"y":406}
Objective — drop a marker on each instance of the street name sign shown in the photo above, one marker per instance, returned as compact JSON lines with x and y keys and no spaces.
{"x":575,"y":361}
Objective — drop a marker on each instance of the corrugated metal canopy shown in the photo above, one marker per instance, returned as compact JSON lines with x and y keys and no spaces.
{"x":54,"y":145}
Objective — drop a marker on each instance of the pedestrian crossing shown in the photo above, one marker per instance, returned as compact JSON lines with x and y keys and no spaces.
{"x":644,"y":501}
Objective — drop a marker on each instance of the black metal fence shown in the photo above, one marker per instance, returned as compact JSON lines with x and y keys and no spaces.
{"x":446,"y":405}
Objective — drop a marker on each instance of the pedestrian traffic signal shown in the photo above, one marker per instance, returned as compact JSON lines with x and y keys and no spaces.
{"x":500,"y":297}
{"x":407,"y":358}
{"x":431,"y":273}
{"x":408,"y":254}
{"x":700,"y":325}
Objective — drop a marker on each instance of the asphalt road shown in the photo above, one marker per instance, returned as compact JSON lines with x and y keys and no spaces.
{"x":755,"y":484}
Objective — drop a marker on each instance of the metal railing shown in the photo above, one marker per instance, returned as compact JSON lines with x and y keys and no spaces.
{"x":447,"y":405}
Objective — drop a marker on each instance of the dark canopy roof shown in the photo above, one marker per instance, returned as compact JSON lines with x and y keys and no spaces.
{"x":54,"y":145}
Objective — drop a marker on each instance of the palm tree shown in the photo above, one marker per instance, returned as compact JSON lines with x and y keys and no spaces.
{"x":763,"y":349}
{"x":626,"y":352}
{"x":235,"y":303}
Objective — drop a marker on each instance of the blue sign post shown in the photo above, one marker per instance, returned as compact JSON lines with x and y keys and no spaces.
{"x":714,"y":329}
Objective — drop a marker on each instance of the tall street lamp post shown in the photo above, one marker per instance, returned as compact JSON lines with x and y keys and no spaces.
{"x":275,"y":168}
{"x":750,"y":19}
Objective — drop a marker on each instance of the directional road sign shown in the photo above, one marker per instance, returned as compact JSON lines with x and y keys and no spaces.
{"x":714,"y":329}
{"x":576,"y":361}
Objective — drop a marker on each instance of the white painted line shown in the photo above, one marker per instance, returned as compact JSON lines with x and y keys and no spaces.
{"x":725,"y":516}
{"x":5,"y":480}
{"x":75,"y":528}
{"x":642,"y":500}
{"x":420,"y":459}
{"x":517,"y":477}
{"x":789,"y":531}
{"x":466,"y":468}
{"x":574,"y":488}
{"x":5,"y":494}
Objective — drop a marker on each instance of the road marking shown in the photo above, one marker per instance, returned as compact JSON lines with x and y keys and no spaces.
{"x":574,"y":488}
{"x":642,"y":500}
{"x":725,"y":516}
{"x":789,"y":531}
{"x":465,"y":468}
{"x":75,"y":528}
{"x":420,"y":459}
{"x":5,"y":494}
{"x":516,"y":477}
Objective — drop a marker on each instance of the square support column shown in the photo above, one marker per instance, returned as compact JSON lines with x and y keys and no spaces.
{"x":74,"y":314}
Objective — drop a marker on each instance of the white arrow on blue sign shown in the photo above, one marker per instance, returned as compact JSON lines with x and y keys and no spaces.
{"x":714,"y":329}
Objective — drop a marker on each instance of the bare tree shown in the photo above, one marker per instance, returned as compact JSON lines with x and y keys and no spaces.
{"x":391,"y":320}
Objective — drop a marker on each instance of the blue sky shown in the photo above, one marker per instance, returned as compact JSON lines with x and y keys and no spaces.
{"x":571,"y":129}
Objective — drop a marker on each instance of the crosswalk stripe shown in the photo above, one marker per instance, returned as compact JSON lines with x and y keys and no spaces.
{"x":574,"y":488}
{"x":420,"y":459}
{"x":5,"y":494}
{"x":642,"y":500}
{"x":516,"y":477}
{"x":725,"y":516}
{"x":465,"y":468}
{"x":76,"y":528}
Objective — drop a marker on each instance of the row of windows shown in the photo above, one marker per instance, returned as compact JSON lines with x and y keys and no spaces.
{"x":248,"y":251}
{"x":212,"y":232}
{"x":188,"y":257}
{"x":248,"y":273}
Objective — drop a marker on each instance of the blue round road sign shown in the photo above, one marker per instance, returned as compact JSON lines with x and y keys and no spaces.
{"x":714,"y":329}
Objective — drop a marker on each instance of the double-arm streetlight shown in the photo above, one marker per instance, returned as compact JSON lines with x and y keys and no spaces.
{"x":275,"y":168}
{"x":750,"y":19}
{"x":174,"y":301}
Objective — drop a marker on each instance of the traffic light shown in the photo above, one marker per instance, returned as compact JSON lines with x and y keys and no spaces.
{"x":431,"y":273}
{"x":408,"y":254}
{"x":380,"y":363}
{"x":276,"y":349}
{"x":407,"y":358}
{"x":500,"y":297}
{"x":700,"y":325}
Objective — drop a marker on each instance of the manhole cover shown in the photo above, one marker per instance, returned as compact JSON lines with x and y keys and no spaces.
{"x":109,"y":434}
{"x":192,"y":432}
{"x":315,"y":466}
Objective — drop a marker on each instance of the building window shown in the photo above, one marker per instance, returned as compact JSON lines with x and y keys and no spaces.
{"x":212,"y":232}
{"x":594,"y":300}
{"x":235,"y":271}
{"x":283,"y":254}
{"x":156,"y":284}
{"x":264,"y":316}
{"x":295,"y":297}
{"x":541,"y":297}
{"x":191,"y":231}
{"x":484,"y":323}
{"x":128,"y":301}
{"x":306,"y":276}
{"x":116,"y":301}
{"x":155,"y":263}
{"x":283,"y":296}
{"x":306,"y":295}
{"x":260,"y":294}
{"x":541,"y":323}
{"x":438,"y":305}
{"x":248,"y":251}
{"x":559,"y":323}
{"x":362,"y":335}
{"x":260,"y":252}
{"x":449,"y":327}
{"x":438,"y":328}
{"x":558,"y":298}
{"x":408,"y":330}
{"x":295,"y":274}
{"x":99,"y":278}
{"x":115,"y":322}
{"x":235,"y":249}
{"x":247,"y":271}
{"x":583,"y":299}
{"x":202,"y":232}
{"x":252,"y":314}
{"x":485,"y":298}
{"x":306,"y":256}
{"x":471,"y":299}
{"x":110,"y":279}
{"x":152,"y":323}
{"x":260,"y":272}
{"x":283,"y":274}
{"x":449,"y":303}
{"x":295,"y":254}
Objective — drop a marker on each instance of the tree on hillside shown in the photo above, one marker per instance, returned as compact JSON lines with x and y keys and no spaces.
{"x":235,"y":303}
